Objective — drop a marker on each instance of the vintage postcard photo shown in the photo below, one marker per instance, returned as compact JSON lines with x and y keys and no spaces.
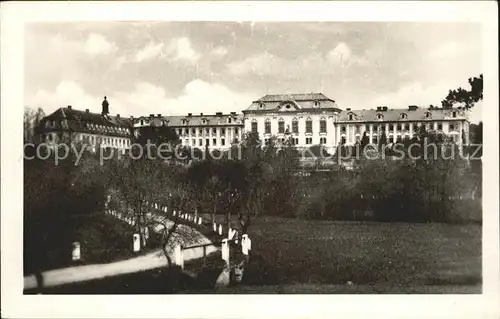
{"x":221,"y":156}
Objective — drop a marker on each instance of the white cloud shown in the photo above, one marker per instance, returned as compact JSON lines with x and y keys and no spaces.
{"x":197,"y":96}
{"x":97,"y":44}
{"x":445,"y":50}
{"x":150,"y":51}
{"x":219,"y":51}
{"x":260,"y":64}
{"x":180,"y":49}
{"x":341,"y":56}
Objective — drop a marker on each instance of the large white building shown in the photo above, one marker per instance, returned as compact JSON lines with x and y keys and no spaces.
{"x":305,"y":119}
{"x":312,"y":119}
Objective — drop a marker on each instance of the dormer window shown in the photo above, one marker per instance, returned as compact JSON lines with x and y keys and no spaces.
{"x":428,"y":114}
{"x":204,"y":121}
{"x":404,"y":116}
{"x":261,"y":105}
{"x":229,"y":120}
{"x":380,"y":116}
{"x":454,"y":114}
{"x":185,"y":121}
{"x":351,"y":117}
{"x":316,"y":103}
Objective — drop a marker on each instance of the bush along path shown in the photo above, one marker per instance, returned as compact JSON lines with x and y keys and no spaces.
{"x":184,"y":235}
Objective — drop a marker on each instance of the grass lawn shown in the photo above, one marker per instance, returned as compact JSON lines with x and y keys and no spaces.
{"x":329,"y":252}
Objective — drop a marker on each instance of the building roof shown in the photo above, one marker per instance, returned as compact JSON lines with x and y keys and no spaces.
{"x":192,"y":120}
{"x":393,"y":115}
{"x":292,"y":102}
{"x":84,"y":121}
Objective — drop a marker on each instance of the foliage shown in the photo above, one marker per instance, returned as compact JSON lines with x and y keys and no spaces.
{"x":466,"y":97}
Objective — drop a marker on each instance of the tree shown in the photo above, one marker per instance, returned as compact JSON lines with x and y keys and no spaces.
{"x":466,"y":97}
{"x":32,"y":120}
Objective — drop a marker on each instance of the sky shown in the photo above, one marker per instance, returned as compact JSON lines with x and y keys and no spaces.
{"x":179,"y":67}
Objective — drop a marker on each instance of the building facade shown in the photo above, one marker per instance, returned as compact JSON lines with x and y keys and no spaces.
{"x":67,"y":125}
{"x":314,"y":119}
{"x":218,"y":131}
{"x":304,"y":119}
{"x":307,"y":119}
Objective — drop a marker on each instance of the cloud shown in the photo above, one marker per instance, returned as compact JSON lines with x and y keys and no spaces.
{"x":150,"y":51}
{"x":314,"y":63}
{"x":179,"y":49}
{"x":445,"y":50}
{"x":197,"y":96}
{"x":97,"y":44}
{"x":219,"y":51}
{"x":260,"y":64}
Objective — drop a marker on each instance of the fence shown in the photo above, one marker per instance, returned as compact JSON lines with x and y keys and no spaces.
{"x":193,"y":220}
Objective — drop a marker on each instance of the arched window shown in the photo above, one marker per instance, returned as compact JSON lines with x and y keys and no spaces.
{"x":267,"y":126}
{"x":380,"y":116}
{"x":295,"y":125}
{"x":351,"y":117}
{"x":309,"y":125}
{"x":322,"y":125}
{"x":281,"y":126}
{"x":428,"y":115}
{"x":254,"y":126}
{"x":403,"y":116}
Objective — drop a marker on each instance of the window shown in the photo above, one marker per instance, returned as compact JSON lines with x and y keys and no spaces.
{"x":380,"y":116}
{"x":295,"y":141}
{"x":207,"y":131}
{"x":267,"y":127}
{"x":342,"y":128}
{"x":308,"y":140}
{"x":375,"y":139}
{"x":407,"y":127}
{"x":186,"y":131}
{"x":214,"y":141}
{"x":398,"y":127}
{"x":186,"y":142}
{"x":142,"y":122}
{"x":223,"y":141}
{"x":454,"y":114}
{"x":358,"y":129}
{"x":391,"y":127}
{"x":375,"y":127}
{"x":295,"y":126}
{"x":342,"y":141}
{"x":322,"y":140}
{"x":428,"y":114}
{"x":351,"y":117}
{"x":193,"y":131}
{"x":403,"y":116}
{"x":254,"y":127}
{"x":207,"y":141}
{"x":193,"y":142}
{"x":309,"y":126}
{"x":452,"y":126}
{"x":367,"y":127}
{"x":229,"y":120}
{"x":322,"y":126}
{"x":440,"y":126}
{"x":281,"y":126}
{"x":214,"y":131}
{"x":200,"y":142}
{"x":236,"y":131}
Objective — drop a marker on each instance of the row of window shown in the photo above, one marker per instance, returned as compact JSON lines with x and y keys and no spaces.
{"x":111,"y":141}
{"x":402,"y":127}
{"x":208,"y":142}
{"x":205,"y":131}
{"x":295,"y":140}
{"x":403,"y":116}
{"x":295,"y":126}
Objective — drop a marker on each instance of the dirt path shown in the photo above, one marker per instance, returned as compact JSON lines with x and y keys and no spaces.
{"x":185,"y":235}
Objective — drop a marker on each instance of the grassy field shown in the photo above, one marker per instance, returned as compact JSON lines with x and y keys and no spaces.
{"x":327,"y":252}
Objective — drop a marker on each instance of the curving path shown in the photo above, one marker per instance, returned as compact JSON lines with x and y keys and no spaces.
{"x":184,"y":235}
